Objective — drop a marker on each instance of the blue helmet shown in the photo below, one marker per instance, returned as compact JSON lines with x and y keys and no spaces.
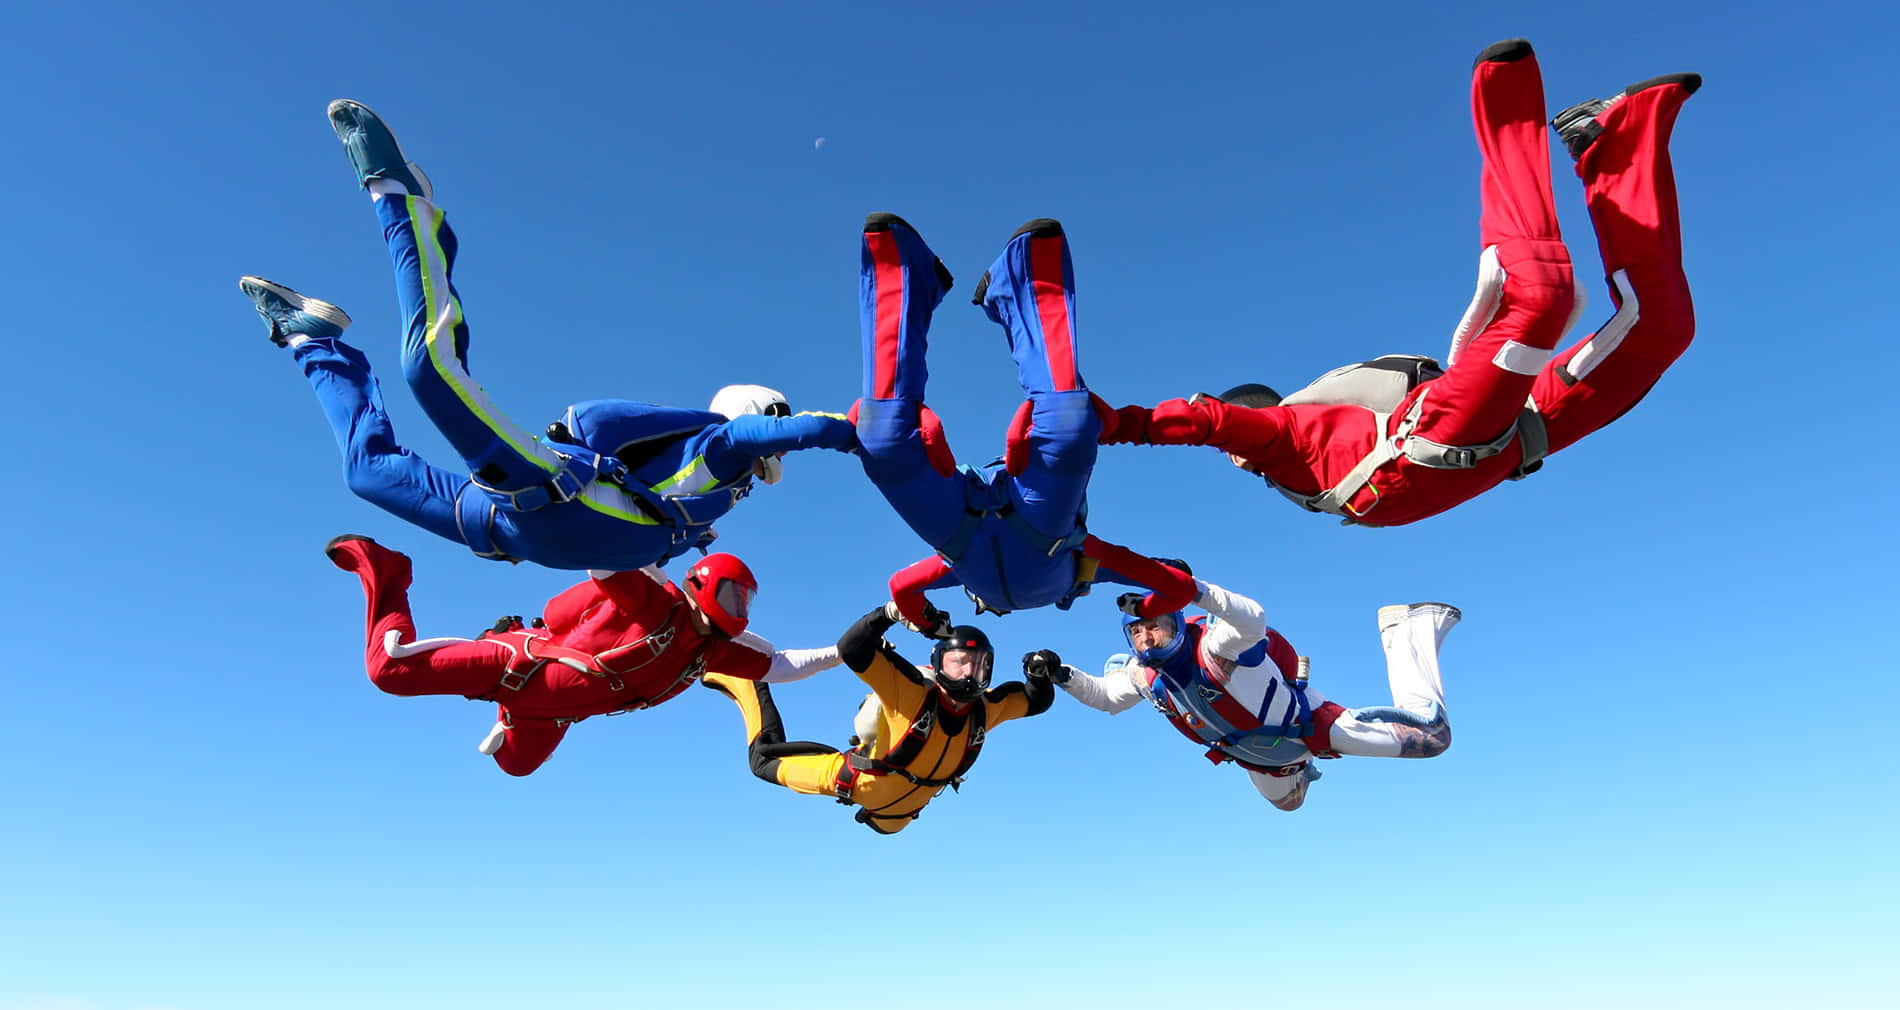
{"x":1175,"y":622}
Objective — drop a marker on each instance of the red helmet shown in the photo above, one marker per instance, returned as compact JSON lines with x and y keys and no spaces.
{"x":722,"y":587}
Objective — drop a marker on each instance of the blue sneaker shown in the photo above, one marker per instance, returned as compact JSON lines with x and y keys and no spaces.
{"x":373,"y":148}
{"x":291,"y":314}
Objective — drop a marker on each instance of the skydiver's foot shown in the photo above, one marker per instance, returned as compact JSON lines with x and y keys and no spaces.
{"x":1507,"y":51}
{"x":884,"y":221}
{"x":356,"y":553}
{"x":373,"y":149}
{"x":1580,"y":125}
{"x":1399,"y":613}
{"x":293,"y":317}
{"x":1042,"y":227}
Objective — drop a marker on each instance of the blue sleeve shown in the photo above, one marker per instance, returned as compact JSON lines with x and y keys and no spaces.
{"x":730,"y":448}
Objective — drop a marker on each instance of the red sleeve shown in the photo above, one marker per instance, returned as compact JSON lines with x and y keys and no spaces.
{"x":908,"y":585}
{"x":1172,"y":589}
{"x":736,"y":660}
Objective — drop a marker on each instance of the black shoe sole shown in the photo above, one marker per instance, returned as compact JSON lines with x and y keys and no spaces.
{"x":1508,"y":51}
{"x":1042,"y":227}
{"x":882,"y":221}
{"x":1691,"y":83}
{"x":329,"y":549}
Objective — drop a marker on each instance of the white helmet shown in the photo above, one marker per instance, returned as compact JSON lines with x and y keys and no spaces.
{"x":737,"y":401}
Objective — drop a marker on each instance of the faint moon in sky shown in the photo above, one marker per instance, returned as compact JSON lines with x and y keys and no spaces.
{"x":816,"y":144}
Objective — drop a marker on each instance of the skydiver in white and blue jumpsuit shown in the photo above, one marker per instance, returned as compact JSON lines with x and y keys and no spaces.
{"x":1236,"y":687}
{"x":615,"y":484}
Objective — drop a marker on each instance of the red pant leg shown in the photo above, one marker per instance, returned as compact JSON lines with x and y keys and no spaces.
{"x":1488,"y":380}
{"x":465,"y":668}
{"x":1630,"y":187}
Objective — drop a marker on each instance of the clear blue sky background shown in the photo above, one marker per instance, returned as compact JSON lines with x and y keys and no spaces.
{"x":1673,"y":782}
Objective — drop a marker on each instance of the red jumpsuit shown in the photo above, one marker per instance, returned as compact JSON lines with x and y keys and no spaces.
{"x":1630,"y":190}
{"x":633,"y":632}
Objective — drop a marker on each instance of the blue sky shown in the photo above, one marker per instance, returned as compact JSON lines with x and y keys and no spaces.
{"x":1671,"y":782}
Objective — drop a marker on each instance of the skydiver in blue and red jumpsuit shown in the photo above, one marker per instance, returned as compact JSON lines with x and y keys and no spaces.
{"x":1011,"y":534}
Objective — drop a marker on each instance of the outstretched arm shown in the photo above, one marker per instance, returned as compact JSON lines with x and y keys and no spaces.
{"x":907,"y":591}
{"x":735,"y":444}
{"x":1113,"y":692}
{"x":1172,"y":589}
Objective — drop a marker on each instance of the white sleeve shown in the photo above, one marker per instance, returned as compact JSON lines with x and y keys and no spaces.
{"x":1242,"y":622}
{"x":1113,"y":693}
{"x":797,"y":664}
{"x":651,"y":571}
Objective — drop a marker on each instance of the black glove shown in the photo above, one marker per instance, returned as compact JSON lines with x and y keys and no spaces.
{"x":936,"y":623}
{"x":511,"y":622}
{"x":1046,"y":665}
{"x":1130,"y":603}
{"x":1176,"y":563}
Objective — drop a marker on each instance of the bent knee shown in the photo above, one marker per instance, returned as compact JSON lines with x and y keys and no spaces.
{"x":1428,"y":743}
{"x":517,"y":766}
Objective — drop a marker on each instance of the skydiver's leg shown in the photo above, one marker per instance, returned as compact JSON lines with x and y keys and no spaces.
{"x":528,"y":743}
{"x":1630,"y":188}
{"x":1416,"y":726}
{"x":422,"y":249}
{"x":900,"y":285}
{"x":799,"y":765}
{"x":1526,"y":288}
{"x":396,"y":662}
{"x":377,"y":469}
{"x":1030,"y":292}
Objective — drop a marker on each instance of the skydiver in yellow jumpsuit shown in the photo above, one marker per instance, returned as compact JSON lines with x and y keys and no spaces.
{"x":923,"y":732}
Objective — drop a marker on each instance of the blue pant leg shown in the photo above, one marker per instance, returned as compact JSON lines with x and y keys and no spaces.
{"x":900,"y":287}
{"x":422,"y":248}
{"x":1031,"y":294}
{"x":901,"y":282}
{"x":1054,"y":481}
{"x":377,"y":469}
{"x":1030,"y":291}
{"x":894,"y":458}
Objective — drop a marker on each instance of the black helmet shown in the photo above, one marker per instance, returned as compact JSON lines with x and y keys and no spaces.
{"x":1251,"y":394}
{"x":964,"y":638}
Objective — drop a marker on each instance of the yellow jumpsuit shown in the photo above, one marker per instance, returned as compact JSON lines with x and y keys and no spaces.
{"x":890,"y":796}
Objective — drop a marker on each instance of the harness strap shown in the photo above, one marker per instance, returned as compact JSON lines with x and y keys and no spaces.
{"x":1334,"y":499}
{"x":1528,"y":431}
{"x":474,"y":521}
{"x":898,"y":758}
{"x":1425,"y":452}
{"x":973,"y":516}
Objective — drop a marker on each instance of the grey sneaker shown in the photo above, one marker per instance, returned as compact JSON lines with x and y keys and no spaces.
{"x":373,"y":148}
{"x":290,"y":314}
{"x":1577,"y":126}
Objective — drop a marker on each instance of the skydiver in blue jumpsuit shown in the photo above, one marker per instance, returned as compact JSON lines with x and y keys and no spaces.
{"x":1012,"y":534}
{"x":614,"y":485}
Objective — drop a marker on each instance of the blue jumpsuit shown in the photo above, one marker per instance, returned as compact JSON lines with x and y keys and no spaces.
{"x":1009,"y":538}
{"x":563,"y":505}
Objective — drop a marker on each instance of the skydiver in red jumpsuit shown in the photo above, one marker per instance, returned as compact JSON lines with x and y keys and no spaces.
{"x":617,"y":642}
{"x":1502,"y":401}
